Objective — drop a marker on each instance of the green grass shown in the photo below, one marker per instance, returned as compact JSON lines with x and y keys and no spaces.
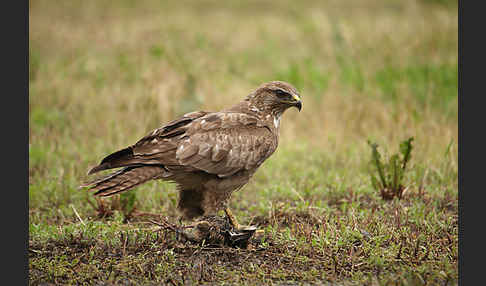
{"x":102,"y":75}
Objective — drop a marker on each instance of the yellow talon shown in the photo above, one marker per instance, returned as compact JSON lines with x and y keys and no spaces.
{"x":232,"y":218}
{"x":235,"y":223}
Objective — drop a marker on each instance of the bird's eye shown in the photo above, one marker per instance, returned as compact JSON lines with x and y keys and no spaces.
{"x":282,"y":94}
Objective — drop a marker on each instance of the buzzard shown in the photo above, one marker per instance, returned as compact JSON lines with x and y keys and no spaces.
{"x":208,"y":155}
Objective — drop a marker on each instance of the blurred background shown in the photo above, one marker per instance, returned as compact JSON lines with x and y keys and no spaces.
{"x":103,"y":74}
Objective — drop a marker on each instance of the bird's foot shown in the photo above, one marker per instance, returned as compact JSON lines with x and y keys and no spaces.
{"x":241,"y":229}
{"x":245,"y":228}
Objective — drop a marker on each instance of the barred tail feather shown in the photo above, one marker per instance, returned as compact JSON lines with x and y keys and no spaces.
{"x":124,"y":179}
{"x":120,"y":158}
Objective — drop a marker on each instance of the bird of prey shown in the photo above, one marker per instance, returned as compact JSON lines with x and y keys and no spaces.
{"x":208,"y":155}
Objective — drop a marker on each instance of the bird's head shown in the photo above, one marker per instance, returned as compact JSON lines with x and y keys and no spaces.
{"x":275,"y":97}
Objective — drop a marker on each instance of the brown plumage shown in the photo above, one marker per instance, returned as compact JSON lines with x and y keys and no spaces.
{"x":207,"y":154}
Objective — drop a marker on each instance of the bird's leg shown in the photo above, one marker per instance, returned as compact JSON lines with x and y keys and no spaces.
{"x":232,"y":218}
{"x":235,"y":223}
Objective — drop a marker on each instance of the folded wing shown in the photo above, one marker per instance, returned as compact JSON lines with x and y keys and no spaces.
{"x":225,"y":143}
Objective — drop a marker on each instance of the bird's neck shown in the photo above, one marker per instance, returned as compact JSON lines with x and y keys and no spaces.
{"x":271,"y":118}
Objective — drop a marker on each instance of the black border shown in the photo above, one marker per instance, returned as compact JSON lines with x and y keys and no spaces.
{"x":15,"y":141}
{"x":471,"y":118}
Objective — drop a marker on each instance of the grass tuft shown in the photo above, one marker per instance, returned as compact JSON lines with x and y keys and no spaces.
{"x":391,"y":174}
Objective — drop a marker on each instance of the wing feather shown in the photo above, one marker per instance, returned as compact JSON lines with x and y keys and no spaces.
{"x":220,"y":143}
{"x":156,"y":148}
{"x":225,"y":143}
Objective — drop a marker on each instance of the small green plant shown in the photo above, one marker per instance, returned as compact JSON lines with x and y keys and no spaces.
{"x":127,"y":203}
{"x":124,"y":202}
{"x":390,"y":182}
{"x":102,"y":209}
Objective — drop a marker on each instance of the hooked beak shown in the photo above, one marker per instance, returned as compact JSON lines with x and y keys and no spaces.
{"x":298,"y":105}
